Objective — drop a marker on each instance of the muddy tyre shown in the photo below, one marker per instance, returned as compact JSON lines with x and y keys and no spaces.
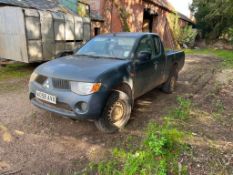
{"x":170,"y":85}
{"x":116,"y":113}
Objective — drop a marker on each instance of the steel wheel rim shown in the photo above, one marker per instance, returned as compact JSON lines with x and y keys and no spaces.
{"x":117,"y":112}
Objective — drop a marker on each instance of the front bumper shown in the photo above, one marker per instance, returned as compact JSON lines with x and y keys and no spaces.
{"x":67,"y":102}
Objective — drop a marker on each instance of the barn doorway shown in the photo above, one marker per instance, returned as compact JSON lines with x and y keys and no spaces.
{"x":147,"y":21}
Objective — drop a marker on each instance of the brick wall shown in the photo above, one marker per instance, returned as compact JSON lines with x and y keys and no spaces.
{"x":111,"y":13}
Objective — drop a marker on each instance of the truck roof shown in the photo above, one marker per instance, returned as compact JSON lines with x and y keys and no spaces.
{"x":129,"y":34}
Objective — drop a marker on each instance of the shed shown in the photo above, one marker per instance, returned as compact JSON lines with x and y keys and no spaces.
{"x":136,"y":16}
{"x":35,"y":31}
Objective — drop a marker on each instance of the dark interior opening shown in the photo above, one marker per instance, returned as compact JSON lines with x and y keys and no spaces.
{"x":147,"y":21}
{"x":96,"y":31}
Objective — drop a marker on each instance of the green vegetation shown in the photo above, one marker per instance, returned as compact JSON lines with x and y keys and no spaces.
{"x":158,"y":152}
{"x":123,"y":14}
{"x":225,"y":55}
{"x":187,"y":36}
{"x":183,"y":36}
{"x":229,"y":34}
{"x":182,"y":111}
{"x":214,"y":18}
{"x":13,"y":71}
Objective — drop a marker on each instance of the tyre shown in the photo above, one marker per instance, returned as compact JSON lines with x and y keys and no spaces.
{"x":116,"y":113}
{"x":170,"y":85}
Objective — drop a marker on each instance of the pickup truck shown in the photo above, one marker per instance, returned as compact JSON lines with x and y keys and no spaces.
{"x":103,"y":78}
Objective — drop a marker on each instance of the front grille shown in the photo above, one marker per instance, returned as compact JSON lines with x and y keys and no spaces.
{"x":41,"y":79}
{"x":60,"y":84}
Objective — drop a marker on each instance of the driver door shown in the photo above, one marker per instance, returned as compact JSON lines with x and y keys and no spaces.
{"x":143,"y":70}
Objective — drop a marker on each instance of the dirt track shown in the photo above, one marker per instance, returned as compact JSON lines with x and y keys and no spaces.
{"x":33,"y":141}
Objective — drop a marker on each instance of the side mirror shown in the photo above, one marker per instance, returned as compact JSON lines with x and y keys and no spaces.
{"x":143,"y":56}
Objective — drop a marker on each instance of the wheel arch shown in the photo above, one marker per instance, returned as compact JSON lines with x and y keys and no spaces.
{"x":126,"y":88}
{"x":175,"y":65}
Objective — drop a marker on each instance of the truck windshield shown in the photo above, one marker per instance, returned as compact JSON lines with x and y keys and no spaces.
{"x":108,"y":47}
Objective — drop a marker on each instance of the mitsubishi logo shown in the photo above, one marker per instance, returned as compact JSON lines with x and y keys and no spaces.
{"x":46,"y":84}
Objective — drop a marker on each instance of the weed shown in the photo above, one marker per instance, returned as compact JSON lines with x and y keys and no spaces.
{"x":225,"y":55}
{"x":179,"y":113}
{"x":15,"y":71}
{"x":157,"y":153}
{"x":218,"y":106}
{"x":6,"y":87}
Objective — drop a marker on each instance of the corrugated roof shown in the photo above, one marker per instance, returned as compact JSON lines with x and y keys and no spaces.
{"x":185,"y":18}
{"x":96,"y":17}
{"x":38,"y":4}
{"x":166,"y":5}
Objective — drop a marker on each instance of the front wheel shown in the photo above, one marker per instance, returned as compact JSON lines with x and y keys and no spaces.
{"x":116,"y":113}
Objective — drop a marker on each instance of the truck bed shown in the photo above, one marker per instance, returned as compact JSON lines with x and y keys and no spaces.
{"x":176,"y":57}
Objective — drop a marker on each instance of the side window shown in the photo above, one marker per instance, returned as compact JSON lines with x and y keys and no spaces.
{"x":157,"y":45}
{"x":146,"y":45}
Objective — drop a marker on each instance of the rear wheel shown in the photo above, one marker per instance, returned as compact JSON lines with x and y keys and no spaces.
{"x":116,"y":113}
{"x":170,"y":85}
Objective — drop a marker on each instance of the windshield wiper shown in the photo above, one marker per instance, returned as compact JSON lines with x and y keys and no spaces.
{"x":86,"y":55}
{"x":102,"y":56}
{"x":117,"y":58}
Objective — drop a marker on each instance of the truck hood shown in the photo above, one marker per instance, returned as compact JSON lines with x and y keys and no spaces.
{"x":79,"y":68}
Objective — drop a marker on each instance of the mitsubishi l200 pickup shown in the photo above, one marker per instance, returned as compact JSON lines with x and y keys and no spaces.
{"x":103,"y":78}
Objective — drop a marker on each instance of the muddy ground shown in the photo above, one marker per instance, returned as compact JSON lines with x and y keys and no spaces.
{"x":33,"y":141}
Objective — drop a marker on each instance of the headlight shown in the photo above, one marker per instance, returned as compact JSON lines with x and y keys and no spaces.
{"x":33,"y":77}
{"x":82,"y":88}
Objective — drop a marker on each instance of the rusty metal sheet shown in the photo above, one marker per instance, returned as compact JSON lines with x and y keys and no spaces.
{"x":86,"y":29}
{"x":78,"y":28}
{"x":13,"y":43}
{"x":47,"y":29}
{"x":29,"y":35}
{"x":70,"y":46}
{"x":47,"y":32}
{"x":59,"y":47}
{"x":69,"y":27}
{"x":31,"y":12}
{"x":34,"y":51}
{"x":33,"y":28}
{"x":48,"y":48}
{"x":36,"y":4}
{"x":59,"y":26}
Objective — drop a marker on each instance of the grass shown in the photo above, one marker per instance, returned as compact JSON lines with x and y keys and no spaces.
{"x":225,"y":55}
{"x":182,"y":111}
{"x":12,"y":86}
{"x":159,"y":151}
{"x":14,"y":71}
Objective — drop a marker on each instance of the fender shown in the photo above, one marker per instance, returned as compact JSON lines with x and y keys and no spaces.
{"x":115,"y":78}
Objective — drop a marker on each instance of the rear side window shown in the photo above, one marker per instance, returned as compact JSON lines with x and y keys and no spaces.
{"x":146,"y":45}
{"x":157,"y":45}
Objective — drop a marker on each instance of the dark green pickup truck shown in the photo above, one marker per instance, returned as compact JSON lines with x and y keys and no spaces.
{"x":102,"y":79}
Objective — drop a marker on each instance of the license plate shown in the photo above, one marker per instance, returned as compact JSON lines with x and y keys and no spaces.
{"x":46,"y":97}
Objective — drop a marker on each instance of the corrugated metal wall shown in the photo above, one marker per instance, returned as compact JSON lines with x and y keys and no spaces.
{"x":30,"y":35}
{"x":12,"y":34}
